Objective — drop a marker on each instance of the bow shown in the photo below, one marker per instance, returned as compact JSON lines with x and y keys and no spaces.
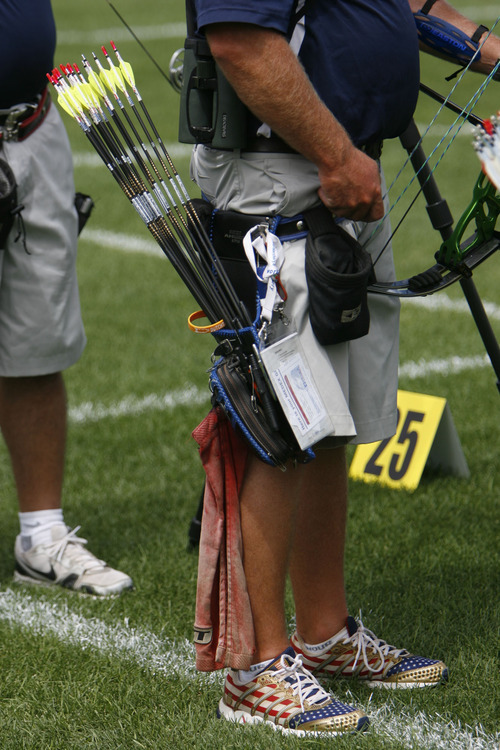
{"x":458,"y":254}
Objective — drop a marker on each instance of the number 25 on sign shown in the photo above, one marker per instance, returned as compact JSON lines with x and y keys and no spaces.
{"x":425,"y":434}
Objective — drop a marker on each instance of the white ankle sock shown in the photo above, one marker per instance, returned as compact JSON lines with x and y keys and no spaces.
{"x":322,"y":648}
{"x":247,"y":675}
{"x":36,"y":525}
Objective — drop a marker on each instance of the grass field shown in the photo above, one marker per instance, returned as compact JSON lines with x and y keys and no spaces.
{"x":78,"y":672}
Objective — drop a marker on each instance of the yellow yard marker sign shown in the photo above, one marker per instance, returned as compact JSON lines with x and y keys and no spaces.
{"x":425,"y":435}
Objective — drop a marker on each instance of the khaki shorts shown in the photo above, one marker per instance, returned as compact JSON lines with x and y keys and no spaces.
{"x":357,"y":380}
{"x":41,"y":328}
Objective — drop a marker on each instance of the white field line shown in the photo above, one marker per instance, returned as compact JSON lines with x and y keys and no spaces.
{"x":121,"y":34}
{"x":441,"y":301}
{"x":165,"y":657}
{"x":125,"y":243}
{"x":454,"y":364}
{"x":178,"y":30}
{"x":449,"y":366}
{"x":133,"y":243}
{"x":131,"y":405}
{"x":91,"y":159}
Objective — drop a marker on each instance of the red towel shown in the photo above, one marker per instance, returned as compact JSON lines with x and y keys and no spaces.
{"x":224,"y":632}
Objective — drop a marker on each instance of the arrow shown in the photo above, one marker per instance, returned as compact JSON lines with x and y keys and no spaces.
{"x":137,"y":170}
{"x":132,"y":32}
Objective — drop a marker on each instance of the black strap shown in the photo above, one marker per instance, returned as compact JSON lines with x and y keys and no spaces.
{"x":427,"y":6}
{"x":300,"y":11}
{"x":319,"y":220}
{"x":478,"y":33}
{"x":190,"y":18}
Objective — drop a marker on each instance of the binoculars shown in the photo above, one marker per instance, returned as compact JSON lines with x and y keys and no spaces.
{"x":210,"y":111}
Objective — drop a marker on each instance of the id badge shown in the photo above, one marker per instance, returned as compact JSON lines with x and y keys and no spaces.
{"x":296,"y":391}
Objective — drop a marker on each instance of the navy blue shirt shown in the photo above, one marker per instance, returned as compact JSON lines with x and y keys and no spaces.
{"x":361,"y":55}
{"x":27,"y":44}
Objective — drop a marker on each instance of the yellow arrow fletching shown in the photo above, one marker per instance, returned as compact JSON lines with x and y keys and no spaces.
{"x":86,"y":95}
{"x":76,"y":90}
{"x":73,"y":100}
{"x":95,"y":83}
{"x":92,"y":96}
{"x":125,"y":67}
{"x":70,"y":103}
{"x":117,"y":75}
{"x":108,"y":80}
{"x":61,"y":100}
{"x":127,"y":71}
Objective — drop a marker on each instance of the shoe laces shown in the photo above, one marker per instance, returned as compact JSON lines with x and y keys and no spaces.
{"x":364,"y":640}
{"x":73,"y":545}
{"x":302,"y":682}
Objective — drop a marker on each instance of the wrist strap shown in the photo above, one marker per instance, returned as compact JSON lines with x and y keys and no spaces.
{"x":478,"y":33}
{"x":428,"y":5}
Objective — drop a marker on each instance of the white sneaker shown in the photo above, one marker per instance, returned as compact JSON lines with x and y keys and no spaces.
{"x":66,"y":562}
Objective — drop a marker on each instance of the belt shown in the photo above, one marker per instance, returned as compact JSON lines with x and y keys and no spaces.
{"x":21,"y":120}
{"x":227,"y":229}
{"x":276,"y":145}
{"x":272,"y":145}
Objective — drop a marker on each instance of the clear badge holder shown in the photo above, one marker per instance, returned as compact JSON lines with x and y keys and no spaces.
{"x":293,"y":383}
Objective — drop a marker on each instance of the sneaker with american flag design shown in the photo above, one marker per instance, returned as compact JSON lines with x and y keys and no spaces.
{"x":286,"y":696}
{"x":356,"y":652}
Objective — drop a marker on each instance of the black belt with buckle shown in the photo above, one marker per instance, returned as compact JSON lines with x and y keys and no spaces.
{"x":21,"y":120}
{"x":276,"y":145}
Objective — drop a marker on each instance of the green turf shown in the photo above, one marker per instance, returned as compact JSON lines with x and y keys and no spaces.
{"x":422,"y":566}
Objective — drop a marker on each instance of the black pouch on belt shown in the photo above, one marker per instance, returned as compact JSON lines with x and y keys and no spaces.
{"x":338,"y":271}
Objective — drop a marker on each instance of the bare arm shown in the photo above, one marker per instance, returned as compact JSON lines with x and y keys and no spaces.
{"x":490,"y":51}
{"x":269,"y":79}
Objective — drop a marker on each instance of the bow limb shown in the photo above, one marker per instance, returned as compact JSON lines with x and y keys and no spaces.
{"x":439,"y":276}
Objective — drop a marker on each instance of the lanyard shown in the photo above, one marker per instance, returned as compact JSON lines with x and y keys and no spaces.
{"x":260,"y":243}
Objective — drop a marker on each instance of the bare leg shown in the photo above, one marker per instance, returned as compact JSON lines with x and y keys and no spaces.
{"x":295,"y":520}
{"x":317,"y":559}
{"x":268,"y":500}
{"x":33,"y":423}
